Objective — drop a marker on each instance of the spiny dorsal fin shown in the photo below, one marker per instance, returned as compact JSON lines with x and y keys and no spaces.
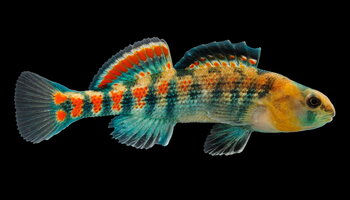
{"x":218,"y":54}
{"x":145,"y":57}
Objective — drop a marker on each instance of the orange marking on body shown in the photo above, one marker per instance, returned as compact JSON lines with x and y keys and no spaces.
{"x":196,"y":63}
{"x":59,"y":98}
{"x":184,"y":85}
{"x":158,"y":50}
{"x":120,"y":67}
{"x":224,"y":64}
{"x":126,"y":63}
{"x":216,"y":64}
{"x":142,"y":54}
{"x":149,"y":52}
{"x":169,"y":66}
{"x":61,"y":115}
{"x":116,"y":98}
{"x":252,"y":61}
{"x":139,"y":94}
{"x":243,"y":58}
{"x":163,"y":87}
{"x":96,"y":100}
{"x":192,"y":66}
{"x":142,"y":74}
{"x":165,"y":50}
{"x":133,"y":59}
{"x":77,"y":106}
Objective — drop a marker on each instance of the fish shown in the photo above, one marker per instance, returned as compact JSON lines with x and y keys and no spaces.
{"x":217,"y":83}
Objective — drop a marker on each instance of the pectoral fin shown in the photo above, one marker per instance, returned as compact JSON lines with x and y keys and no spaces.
{"x":226,"y":140}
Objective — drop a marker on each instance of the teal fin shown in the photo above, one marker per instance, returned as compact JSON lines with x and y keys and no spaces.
{"x":226,"y":140}
{"x":219,"y":52}
{"x":35,"y":108}
{"x":140,"y":132}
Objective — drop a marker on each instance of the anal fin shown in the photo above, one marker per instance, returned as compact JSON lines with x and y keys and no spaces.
{"x":140,"y":132}
{"x":226,"y":140}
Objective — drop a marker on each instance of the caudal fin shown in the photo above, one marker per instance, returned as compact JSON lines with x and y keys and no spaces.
{"x":37,"y":116}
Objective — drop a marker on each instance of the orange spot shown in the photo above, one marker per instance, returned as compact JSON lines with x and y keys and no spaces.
{"x":96,"y":100}
{"x":77,"y":106}
{"x":243,"y":58}
{"x":142,"y":74}
{"x":120,"y":67}
{"x":202,"y":59}
{"x":232,"y":64}
{"x":224,"y":64}
{"x":133,"y":59}
{"x":149,"y":52}
{"x":163,"y":87}
{"x":165,"y":50}
{"x":252,"y":61}
{"x":139,"y":94}
{"x":116,"y":98}
{"x":196,"y":63}
{"x":149,"y":73}
{"x":231,"y":57}
{"x":158,"y":50}
{"x":216,"y":64}
{"x":169,"y":66}
{"x":126,"y":63}
{"x":208,"y":64}
{"x":192,"y":66}
{"x":142,"y":55}
{"x":184,"y":85}
{"x":59,"y":98}
{"x":61,"y":115}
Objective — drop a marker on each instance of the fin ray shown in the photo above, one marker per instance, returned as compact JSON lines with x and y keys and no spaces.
{"x":226,"y":140}
{"x":35,"y":109}
{"x":148,"y":56}
{"x":217,"y":52}
{"x":140,"y":132}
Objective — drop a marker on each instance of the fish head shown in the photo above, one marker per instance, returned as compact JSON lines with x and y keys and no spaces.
{"x":316,"y":109}
{"x":292,"y":107}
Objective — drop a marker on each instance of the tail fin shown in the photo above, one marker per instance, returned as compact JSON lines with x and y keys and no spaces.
{"x":38,"y":118}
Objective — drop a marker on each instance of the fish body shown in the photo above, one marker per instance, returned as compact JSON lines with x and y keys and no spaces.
{"x":213,"y":83}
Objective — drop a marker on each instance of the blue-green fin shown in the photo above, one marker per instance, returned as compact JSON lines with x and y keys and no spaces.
{"x":226,"y":140}
{"x":149,"y":56}
{"x":35,"y":108}
{"x":141,"y":132}
{"x":216,"y":53}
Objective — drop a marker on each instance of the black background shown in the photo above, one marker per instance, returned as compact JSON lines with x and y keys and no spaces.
{"x":67,"y":44}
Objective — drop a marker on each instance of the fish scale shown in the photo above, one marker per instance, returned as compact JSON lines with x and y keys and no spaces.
{"x":217,"y":83}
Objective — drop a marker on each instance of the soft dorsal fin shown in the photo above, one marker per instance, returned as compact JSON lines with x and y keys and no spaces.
{"x":217,"y":54}
{"x":148,"y":56}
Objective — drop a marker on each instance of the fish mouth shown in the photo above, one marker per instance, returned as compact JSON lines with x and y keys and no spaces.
{"x":329,"y":119}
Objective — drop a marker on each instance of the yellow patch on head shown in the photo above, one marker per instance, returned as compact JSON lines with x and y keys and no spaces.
{"x":281,"y":103}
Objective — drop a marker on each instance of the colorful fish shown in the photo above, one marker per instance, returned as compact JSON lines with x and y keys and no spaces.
{"x":216,"y":83}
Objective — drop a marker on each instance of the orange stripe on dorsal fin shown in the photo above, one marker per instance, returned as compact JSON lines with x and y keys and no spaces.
{"x":219,"y":54}
{"x":134,"y":59}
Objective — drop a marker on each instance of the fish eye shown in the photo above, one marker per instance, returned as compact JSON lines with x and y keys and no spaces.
{"x":313,"y":102}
